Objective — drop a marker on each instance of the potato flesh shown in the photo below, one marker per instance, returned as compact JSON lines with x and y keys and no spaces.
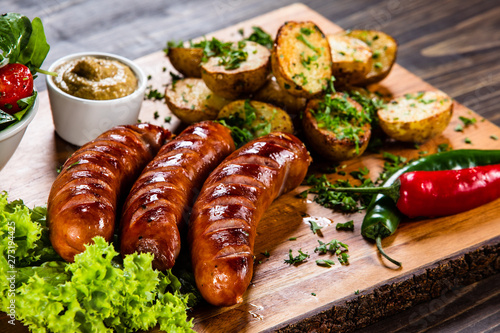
{"x":234,"y":83}
{"x":384,"y":50}
{"x":351,"y":58}
{"x":302,"y":59}
{"x":328,"y":143}
{"x":191,"y":100}
{"x":257,"y":55}
{"x":272,"y":93}
{"x":265,"y":113}
{"x":416,"y":117}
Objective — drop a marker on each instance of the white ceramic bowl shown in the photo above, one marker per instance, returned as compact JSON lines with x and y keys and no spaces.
{"x":11,"y":136}
{"x":78,"y":120}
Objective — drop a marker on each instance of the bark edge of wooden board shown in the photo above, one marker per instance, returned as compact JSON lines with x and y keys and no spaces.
{"x":427,"y":283}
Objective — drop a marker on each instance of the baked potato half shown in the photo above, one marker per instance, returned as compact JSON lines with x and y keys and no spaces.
{"x":301,"y":59}
{"x":258,"y":118}
{"x":336,"y":127}
{"x":272,"y":93}
{"x":191,"y":101}
{"x":238,"y":72}
{"x":186,"y":60}
{"x":384,"y":51}
{"x":416,"y":117}
{"x":351,"y":59}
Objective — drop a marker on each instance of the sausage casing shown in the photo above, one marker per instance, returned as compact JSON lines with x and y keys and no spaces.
{"x":84,"y":198}
{"x":160,"y":200}
{"x":224,"y":219}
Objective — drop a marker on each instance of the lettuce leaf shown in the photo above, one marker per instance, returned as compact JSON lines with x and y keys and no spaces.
{"x":99,"y":292}
{"x":98,"y":296}
{"x":26,"y":230}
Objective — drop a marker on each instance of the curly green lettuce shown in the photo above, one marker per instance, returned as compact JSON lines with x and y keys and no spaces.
{"x":99,"y":292}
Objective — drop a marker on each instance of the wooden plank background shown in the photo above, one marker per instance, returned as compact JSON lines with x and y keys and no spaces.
{"x":443,"y":43}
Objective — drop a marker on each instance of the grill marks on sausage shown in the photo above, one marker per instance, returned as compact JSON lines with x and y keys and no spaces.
{"x":159,"y":201}
{"x":83,"y":199}
{"x":226,"y":214}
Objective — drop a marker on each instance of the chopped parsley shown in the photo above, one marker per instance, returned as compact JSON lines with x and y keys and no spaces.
{"x":303,"y":39}
{"x":443,"y":147}
{"x":325,"y":262}
{"x":338,"y":115}
{"x":314,"y":226}
{"x":392,"y":163}
{"x":349,"y":225}
{"x":243,"y":127}
{"x":231,"y":55}
{"x":261,"y":37}
{"x":298,"y":259}
{"x":153,"y":94}
{"x":233,"y":58}
{"x":175,"y":78}
{"x":370,"y":104}
{"x":326,"y":196}
{"x":334,"y":247}
{"x":296,"y":77}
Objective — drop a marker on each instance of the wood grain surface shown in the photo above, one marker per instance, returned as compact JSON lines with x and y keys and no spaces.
{"x":278,"y":297}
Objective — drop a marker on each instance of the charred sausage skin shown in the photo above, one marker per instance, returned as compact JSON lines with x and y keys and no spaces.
{"x":159,"y":202}
{"x":235,"y":196}
{"x":84,"y":198}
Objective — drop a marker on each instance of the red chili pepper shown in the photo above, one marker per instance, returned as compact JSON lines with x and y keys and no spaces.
{"x":440,"y":193}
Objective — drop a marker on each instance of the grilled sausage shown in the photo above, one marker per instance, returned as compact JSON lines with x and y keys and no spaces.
{"x":224,"y":219}
{"x":159,"y":202}
{"x":84,"y":197}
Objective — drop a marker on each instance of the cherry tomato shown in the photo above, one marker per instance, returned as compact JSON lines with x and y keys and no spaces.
{"x":16,"y":82}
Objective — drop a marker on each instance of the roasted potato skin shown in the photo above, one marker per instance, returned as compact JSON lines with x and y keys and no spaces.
{"x":186,"y":60}
{"x":279,"y":118}
{"x":351,"y":59}
{"x":411,"y":118}
{"x":384,"y":53}
{"x":272,"y":93}
{"x":290,"y":56}
{"x":325,"y":142}
{"x":235,"y":83}
{"x":191,"y":101}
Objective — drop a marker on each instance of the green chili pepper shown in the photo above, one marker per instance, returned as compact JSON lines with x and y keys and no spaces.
{"x":382,"y":216}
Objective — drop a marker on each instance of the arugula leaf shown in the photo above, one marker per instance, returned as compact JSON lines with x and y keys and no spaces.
{"x":6,"y":119}
{"x":37,"y":49}
{"x":22,"y":41}
{"x":15,"y":32}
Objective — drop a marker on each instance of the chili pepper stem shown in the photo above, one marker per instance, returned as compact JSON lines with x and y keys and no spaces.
{"x":391,"y":191}
{"x":378,"y":240}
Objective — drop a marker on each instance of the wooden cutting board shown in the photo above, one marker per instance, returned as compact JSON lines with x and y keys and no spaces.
{"x":437,"y":254}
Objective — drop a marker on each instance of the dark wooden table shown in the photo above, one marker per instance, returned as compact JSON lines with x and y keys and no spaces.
{"x":451,"y":44}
